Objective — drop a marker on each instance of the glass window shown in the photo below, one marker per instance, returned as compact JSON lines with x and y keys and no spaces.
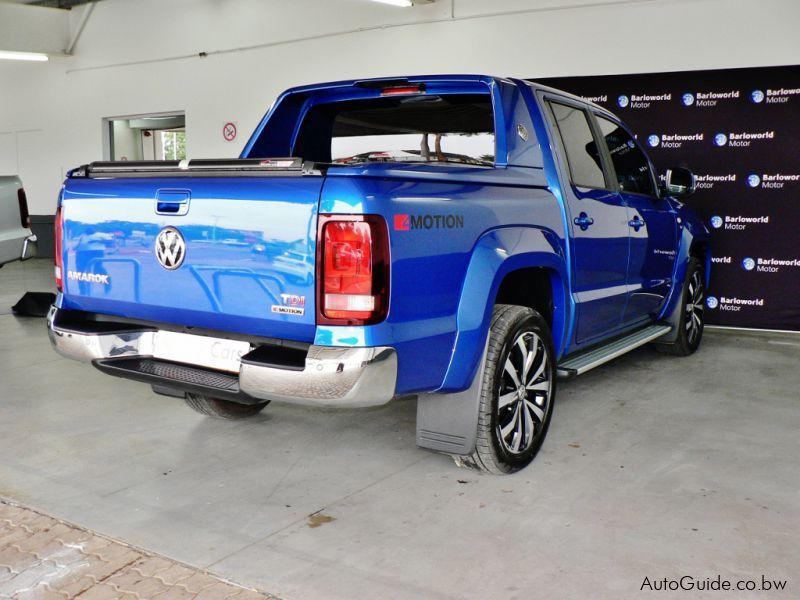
{"x":585,"y":166}
{"x":630,"y":163}
{"x":448,"y":128}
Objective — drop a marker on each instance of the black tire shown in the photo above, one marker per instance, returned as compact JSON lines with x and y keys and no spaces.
{"x":692,"y":316}
{"x":528,"y":407}
{"x":223,"y":409}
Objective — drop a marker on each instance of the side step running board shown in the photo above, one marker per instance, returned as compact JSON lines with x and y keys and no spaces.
{"x":577,"y":365}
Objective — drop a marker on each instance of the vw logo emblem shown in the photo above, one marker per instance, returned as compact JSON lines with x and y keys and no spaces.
{"x":170,"y":248}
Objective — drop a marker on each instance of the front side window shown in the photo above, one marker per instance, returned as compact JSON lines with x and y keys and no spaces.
{"x":585,"y":166}
{"x":630,"y":163}
{"x":448,"y":128}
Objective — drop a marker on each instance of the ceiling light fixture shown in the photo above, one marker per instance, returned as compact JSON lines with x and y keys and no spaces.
{"x":403,"y":3}
{"x":29,"y":56}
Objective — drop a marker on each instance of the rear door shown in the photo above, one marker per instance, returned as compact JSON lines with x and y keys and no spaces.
{"x":233,"y":253}
{"x":651,"y":224}
{"x":599,"y":221}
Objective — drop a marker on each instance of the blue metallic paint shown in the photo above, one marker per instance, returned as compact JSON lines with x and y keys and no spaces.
{"x":443,"y":282}
{"x":424,"y":319}
{"x":249,"y":240}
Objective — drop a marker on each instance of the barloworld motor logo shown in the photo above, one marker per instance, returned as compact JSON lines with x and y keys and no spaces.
{"x":757,"y":96}
{"x":733,"y":304}
{"x":623,"y":101}
{"x":673,"y":140}
{"x":706,"y":181}
{"x":773,"y":181}
{"x":743,"y":139}
{"x":748,"y":264}
{"x":708,"y":99}
{"x":738,"y":222}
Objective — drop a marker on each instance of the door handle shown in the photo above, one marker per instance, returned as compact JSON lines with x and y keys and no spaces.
{"x":636,"y":223}
{"x":172,"y":202}
{"x":583,"y":221}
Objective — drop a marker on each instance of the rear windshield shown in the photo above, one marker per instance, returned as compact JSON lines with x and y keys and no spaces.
{"x":451,"y":128}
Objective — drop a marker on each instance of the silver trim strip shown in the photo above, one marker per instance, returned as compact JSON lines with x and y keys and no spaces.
{"x":604,"y":354}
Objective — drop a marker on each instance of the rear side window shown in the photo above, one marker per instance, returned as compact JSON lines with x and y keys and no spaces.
{"x":448,"y":128}
{"x":585,"y":166}
{"x":630,"y":163}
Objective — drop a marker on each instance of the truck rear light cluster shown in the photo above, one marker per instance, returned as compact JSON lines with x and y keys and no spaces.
{"x":352,"y":270}
{"x":24,"y":215}
{"x":59,"y":237}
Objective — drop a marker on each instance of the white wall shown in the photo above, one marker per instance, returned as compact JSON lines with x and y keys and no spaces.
{"x":141,"y":57}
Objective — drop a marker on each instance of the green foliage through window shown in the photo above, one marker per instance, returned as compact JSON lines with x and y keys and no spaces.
{"x":174,"y":145}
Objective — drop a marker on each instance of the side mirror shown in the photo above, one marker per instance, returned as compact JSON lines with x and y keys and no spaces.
{"x":679,"y":182}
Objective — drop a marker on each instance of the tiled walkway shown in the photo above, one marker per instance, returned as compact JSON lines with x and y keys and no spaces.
{"x":42,"y":558}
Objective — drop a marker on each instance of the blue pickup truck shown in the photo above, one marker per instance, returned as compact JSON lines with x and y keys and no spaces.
{"x":463,"y":238}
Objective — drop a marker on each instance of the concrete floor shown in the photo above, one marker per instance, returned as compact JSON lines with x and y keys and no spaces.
{"x":654,"y":467}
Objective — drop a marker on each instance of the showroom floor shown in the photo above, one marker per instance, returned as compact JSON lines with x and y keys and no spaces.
{"x":654,"y":467}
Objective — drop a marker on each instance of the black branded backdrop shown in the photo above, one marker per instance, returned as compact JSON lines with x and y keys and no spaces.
{"x":739,"y":132}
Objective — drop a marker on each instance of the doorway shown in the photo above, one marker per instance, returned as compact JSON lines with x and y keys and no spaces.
{"x":156,"y":136}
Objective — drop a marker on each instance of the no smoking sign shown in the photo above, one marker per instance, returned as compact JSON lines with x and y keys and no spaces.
{"x":229,"y":131}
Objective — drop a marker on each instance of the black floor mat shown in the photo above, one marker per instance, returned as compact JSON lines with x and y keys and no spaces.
{"x":34,"y":304}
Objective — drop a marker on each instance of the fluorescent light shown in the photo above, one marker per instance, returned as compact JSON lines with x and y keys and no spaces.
{"x":33,"y":56}
{"x":403,"y":3}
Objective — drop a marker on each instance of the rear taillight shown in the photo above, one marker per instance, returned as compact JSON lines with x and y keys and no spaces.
{"x":59,"y":236}
{"x":352,"y":270}
{"x":24,"y":215}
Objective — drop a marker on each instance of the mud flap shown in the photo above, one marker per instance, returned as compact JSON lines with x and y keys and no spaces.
{"x":674,"y":320}
{"x":449,"y":422}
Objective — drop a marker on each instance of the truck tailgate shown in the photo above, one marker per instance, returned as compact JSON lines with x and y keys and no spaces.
{"x":230,"y":253}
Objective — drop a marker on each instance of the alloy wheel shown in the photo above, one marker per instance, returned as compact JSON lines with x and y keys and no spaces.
{"x":694,"y":307}
{"x":523,"y":395}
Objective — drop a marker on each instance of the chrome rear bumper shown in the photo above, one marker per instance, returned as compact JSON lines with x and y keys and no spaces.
{"x":331,"y":376}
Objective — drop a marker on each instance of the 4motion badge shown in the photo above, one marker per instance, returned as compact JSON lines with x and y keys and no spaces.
{"x":291,"y":305}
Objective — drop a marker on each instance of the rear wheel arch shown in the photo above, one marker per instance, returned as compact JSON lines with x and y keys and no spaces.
{"x":497,"y":254}
{"x":539,"y":288}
